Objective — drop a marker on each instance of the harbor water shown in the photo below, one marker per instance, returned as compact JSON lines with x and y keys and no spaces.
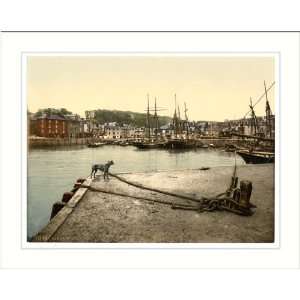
{"x":51,"y":172}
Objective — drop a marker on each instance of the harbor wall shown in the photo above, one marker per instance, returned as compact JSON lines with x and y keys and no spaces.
{"x":55,"y":142}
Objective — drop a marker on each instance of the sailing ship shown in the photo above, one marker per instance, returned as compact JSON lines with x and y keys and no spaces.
{"x":150,"y":141}
{"x":261,"y":146}
{"x":181,"y":138}
{"x":256,"y":157}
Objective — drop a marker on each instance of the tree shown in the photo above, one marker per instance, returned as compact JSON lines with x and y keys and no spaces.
{"x":53,"y":111}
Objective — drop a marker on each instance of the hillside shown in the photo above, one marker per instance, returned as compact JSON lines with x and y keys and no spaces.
{"x":127,"y":117}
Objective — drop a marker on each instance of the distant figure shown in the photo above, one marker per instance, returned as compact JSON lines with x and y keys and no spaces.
{"x":104,"y":168}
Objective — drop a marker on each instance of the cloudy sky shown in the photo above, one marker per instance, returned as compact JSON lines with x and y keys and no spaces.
{"x":214,"y":88}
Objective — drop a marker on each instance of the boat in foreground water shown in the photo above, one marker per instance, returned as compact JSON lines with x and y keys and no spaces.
{"x":257,"y":157}
{"x":95,"y":145}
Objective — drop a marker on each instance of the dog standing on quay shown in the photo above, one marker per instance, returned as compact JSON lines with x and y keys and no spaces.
{"x":104,"y":168}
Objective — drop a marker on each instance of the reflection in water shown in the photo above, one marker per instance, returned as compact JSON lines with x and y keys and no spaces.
{"x":53,"y":172}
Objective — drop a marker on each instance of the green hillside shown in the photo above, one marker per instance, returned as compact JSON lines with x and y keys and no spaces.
{"x":127,"y":117}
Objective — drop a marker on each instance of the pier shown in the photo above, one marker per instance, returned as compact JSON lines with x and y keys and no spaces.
{"x":102,"y":217}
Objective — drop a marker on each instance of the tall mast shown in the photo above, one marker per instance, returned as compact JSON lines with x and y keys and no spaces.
{"x":148,"y":118}
{"x":186,"y":120}
{"x":253,"y":118}
{"x":156,"y":119}
{"x":175,"y":120}
{"x":268,"y":115}
{"x":179,"y":120}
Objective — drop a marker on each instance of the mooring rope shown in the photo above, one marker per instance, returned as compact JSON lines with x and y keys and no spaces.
{"x":129,"y":196}
{"x":193,"y":199}
{"x":137,"y":185}
{"x":227,"y":203}
{"x":206,"y":206}
{"x":140,"y":186}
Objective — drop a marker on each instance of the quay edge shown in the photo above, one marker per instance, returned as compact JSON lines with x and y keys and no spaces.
{"x":102,"y":218}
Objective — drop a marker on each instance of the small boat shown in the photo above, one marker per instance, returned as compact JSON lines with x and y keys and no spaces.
{"x":230,"y":148}
{"x":124,"y":143}
{"x":180,"y":144}
{"x":149,"y":145}
{"x":95,"y":145}
{"x":257,"y":157}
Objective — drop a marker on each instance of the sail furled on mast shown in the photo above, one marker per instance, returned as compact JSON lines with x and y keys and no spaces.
{"x":254,"y":125}
{"x":268,"y":115}
{"x":148,"y":125}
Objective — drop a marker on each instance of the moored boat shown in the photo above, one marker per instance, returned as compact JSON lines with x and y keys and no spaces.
{"x":180,"y":144}
{"x":95,"y":145}
{"x":149,"y":145}
{"x":256,"y":157}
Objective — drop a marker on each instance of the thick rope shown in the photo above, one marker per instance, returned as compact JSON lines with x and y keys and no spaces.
{"x":126,"y":195}
{"x":140,"y":186}
{"x":156,"y":190}
{"x":227,"y":203}
{"x":207,"y":205}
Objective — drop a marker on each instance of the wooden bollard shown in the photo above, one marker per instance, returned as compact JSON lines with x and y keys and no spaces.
{"x":67,"y":196}
{"x":246,"y":190}
{"x":80,"y":180}
{"x":77,"y":185}
{"x":56,"y":207}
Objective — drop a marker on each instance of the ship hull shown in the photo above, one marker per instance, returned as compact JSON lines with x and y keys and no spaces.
{"x":180,"y":144}
{"x":95,"y":145}
{"x":256,"y":158}
{"x":142,"y":145}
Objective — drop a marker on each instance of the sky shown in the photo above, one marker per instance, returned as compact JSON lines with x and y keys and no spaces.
{"x":213,"y":87}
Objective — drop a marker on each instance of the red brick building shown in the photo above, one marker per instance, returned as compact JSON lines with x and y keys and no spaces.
{"x":50,"y":126}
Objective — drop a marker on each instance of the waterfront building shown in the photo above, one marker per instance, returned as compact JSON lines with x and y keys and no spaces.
{"x":245,"y":126}
{"x":30,"y":127}
{"x":74,"y":125}
{"x":112,"y":132}
{"x":139,"y":132}
{"x":50,"y":126}
{"x":127,"y":131}
{"x":167,"y":130}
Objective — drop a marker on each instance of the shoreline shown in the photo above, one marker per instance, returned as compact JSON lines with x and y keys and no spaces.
{"x":57,"y":142}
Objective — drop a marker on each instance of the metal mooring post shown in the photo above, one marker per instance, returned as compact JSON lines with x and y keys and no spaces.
{"x":246,"y":190}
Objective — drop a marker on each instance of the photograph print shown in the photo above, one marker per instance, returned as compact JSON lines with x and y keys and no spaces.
{"x":150,"y":148}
